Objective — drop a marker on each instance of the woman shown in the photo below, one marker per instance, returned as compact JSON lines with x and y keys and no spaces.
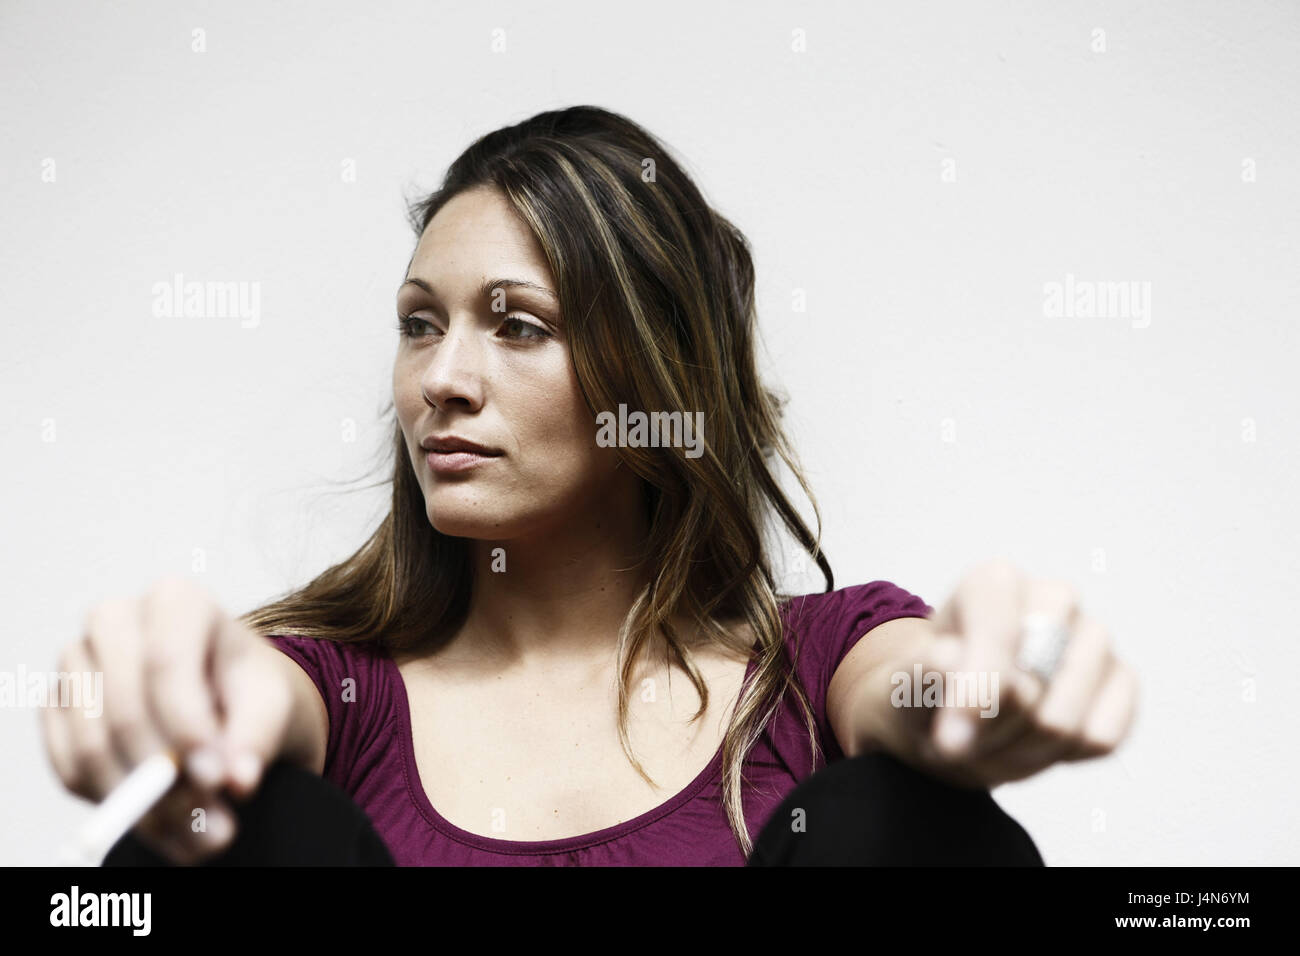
{"x":583,"y":475}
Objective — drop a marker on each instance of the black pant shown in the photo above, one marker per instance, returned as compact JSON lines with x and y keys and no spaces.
{"x":295,"y":818}
{"x":871,"y":810}
{"x":875,"y":810}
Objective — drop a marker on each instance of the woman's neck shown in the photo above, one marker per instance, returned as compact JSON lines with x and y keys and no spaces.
{"x":557,"y":597}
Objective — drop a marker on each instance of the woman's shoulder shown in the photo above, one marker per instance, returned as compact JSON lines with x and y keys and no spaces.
{"x":826,"y":624}
{"x":823,"y":625}
{"x":288,"y":636}
{"x":870,"y":599}
{"x":326,"y":658}
{"x":846,"y":613}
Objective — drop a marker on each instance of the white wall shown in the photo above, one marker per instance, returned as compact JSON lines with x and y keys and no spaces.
{"x":925,"y":305}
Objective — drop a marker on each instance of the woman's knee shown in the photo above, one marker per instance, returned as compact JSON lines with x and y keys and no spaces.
{"x":296,"y":818}
{"x":875,"y":810}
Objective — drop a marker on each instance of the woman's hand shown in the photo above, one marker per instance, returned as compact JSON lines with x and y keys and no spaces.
{"x":999,"y":722}
{"x":178,"y":674}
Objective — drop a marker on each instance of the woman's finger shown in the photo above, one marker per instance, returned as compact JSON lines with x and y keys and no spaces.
{"x":975,"y":697}
{"x":985,"y":611}
{"x":115,"y":648}
{"x":1046,"y":720}
{"x":1078,"y":680}
{"x":1053,"y":600}
{"x":1111,"y":715}
{"x":256,"y":703}
{"x":96,"y":766}
{"x":176,"y":619}
{"x":58,"y":744}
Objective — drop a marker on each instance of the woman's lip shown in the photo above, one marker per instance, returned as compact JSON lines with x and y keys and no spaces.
{"x":447,"y":462}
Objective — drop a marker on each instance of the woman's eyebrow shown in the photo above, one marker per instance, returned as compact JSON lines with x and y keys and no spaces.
{"x":488,"y":287}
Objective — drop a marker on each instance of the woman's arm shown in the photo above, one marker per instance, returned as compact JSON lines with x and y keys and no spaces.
{"x":857,"y":700}
{"x":307,"y":737}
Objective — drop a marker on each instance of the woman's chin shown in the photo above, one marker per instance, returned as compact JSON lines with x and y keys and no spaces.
{"x":468,"y":522}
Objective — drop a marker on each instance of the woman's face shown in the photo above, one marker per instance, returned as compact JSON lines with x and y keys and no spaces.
{"x":492,"y":367}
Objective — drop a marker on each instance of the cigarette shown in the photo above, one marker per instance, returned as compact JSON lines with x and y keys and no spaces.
{"x":122,"y":809}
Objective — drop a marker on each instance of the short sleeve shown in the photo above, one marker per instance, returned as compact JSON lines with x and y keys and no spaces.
{"x":353,"y":683}
{"x":830,"y":624}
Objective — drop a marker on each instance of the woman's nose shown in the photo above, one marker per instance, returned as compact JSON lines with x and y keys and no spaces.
{"x":454,"y":372}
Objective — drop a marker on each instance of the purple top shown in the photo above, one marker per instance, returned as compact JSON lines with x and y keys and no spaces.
{"x":371,"y":758}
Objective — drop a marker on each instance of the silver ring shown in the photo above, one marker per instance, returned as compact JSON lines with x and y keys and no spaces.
{"x":1042,"y":643}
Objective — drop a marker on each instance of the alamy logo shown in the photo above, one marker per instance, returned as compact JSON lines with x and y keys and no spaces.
{"x":653,"y":430}
{"x":1077,"y":298}
{"x":102,"y":909}
{"x":83,"y":690}
{"x":946,"y":689}
{"x":179,"y":299}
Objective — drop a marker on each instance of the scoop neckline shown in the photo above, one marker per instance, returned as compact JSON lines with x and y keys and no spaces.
{"x":420,"y":797}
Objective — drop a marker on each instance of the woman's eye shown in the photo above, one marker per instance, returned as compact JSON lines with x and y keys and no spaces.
{"x":408,"y":324}
{"x":532,"y":331}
